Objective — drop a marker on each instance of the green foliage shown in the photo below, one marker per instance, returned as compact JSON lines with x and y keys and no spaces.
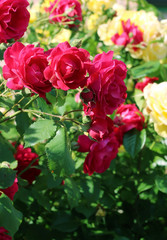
{"x":58,"y":153}
{"x":7,"y":177}
{"x":150,"y":69}
{"x":134,"y":141}
{"x":39,"y":131}
{"x":10,"y":217}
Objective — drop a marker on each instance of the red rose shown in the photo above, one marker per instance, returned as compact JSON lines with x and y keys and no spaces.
{"x":131,"y":34}
{"x":24,"y":68}
{"x":84,"y":143}
{"x":14,"y":19}
{"x":72,"y":9}
{"x":10,"y":191}
{"x":106,"y":82}
{"x":100,"y":128}
{"x":3,"y":235}
{"x":67,"y":69}
{"x":100,"y":155}
{"x":24,"y":156}
{"x":127,"y":117}
{"x":146,"y":81}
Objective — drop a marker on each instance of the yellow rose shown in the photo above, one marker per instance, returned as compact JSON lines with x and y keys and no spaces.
{"x":156,"y":106}
{"x":92,"y":22}
{"x":45,"y":4}
{"x":96,"y":6}
{"x":62,"y":36}
{"x":34,"y":11}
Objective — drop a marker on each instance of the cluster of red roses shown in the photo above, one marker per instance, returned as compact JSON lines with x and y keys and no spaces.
{"x":106,"y":92}
{"x":15,"y":16}
{"x":103,"y":91}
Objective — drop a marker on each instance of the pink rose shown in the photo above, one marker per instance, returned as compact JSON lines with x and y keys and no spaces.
{"x":100,"y":155}
{"x":127,"y":117}
{"x":106,"y":81}
{"x":67,"y":69}
{"x":3,"y":235}
{"x":72,"y":9}
{"x":10,"y":191}
{"x":14,"y":19}
{"x":146,"y":81}
{"x":131,"y":34}
{"x":24,"y":156}
{"x":24,"y":68}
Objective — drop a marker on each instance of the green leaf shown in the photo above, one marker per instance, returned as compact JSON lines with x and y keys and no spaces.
{"x":58,"y":153}
{"x":161,"y":183}
{"x":139,"y":99}
{"x":150,"y":69}
{"x":7,"y":177}
{"x":23,"y":122}
{"x":134,"y":141}
{"x":5,"y":151}
{"x":72,"y":191}
{"x":10,"y":217}
{"x":43,"y":106}
{"x":64,"y":222}
{"x":39,"y":131}
{"x":163,"y":71}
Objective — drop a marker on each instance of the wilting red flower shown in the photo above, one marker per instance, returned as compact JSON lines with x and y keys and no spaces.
{"x":25,"y":156}
{"x":10,"y":191}
{"x":127,"y":117}
{"x":3,"y":235}
{"x":146,"y":81}
{"x":67,"y":69}
{"x":100,"y":155}
{"x":106,"y":83}
{"x":131,"y":34}
{"x":14,"y":19}
{"x":72,"y":9}
{"x":24,"y":68}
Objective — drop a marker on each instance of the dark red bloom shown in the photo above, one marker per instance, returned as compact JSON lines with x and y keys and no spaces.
{"x":145,"y":82}
{"x":131,"y":34}
{"x":100,"y":155}
{"x":67,"y":69}
{"x":25,"y":67}
{"x":10,"y":191}
{"x":3,"y":235}
{"x":100,"y":128}
{"x":106,"y":81}
{"x":25,"y":156}
{"x":14,"y":19}
{"x":127,"y":117}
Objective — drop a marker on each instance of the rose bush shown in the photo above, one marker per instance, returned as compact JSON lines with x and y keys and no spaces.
{"x":83,"y":149}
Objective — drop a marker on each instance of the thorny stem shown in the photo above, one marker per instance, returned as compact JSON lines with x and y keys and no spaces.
{"x":12,"y":107}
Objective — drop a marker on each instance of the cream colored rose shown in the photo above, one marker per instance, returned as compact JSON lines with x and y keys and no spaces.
{"x":96,"y":6}
{"x":156,"y":106}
